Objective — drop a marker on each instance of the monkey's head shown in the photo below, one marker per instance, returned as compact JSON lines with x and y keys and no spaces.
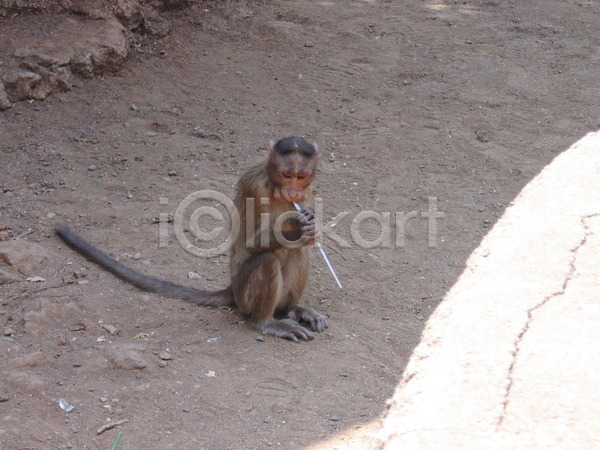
{"x":291,"y":166}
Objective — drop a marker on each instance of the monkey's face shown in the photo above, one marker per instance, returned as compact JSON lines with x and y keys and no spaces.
{"x":291,"y":169}
{"x":291,"y":187}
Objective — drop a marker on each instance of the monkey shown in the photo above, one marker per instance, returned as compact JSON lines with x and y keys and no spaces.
{"x":269,"y":264}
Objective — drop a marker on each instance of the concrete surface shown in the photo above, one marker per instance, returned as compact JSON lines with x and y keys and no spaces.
{"x":511,"y":358}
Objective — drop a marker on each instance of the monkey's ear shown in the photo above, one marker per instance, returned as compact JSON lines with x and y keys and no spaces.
{"x":272,"y":145}
{"x":314,"y":144}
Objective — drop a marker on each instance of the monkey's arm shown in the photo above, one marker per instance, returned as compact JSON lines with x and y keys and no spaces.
{"x":269,"y":240}
{"x":303,"y":232}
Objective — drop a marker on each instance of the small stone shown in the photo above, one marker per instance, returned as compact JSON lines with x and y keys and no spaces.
{"x":110,"y":329}
{"x":335,"y":418}
{"x":260,"y":338}
{"x":51,"y":215}
{"x":8,"y":331}
{"x":163,"y":364}
{"x":309,"y":44}
{"x":126,"y":356}
{"x":92,"y":168}
{"x":165,"y":356}
{"x":77,"y":327}
{"x":137,"y":256}
{"x":172,"y":173}
{"x":482,"y":136}
{"x":79,"y":274}
{"x":4,"y":398}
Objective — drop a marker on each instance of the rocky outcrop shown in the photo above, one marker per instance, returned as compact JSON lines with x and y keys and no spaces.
{"x":66,"y":47}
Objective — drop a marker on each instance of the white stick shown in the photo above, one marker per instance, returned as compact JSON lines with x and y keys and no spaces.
{"x":299,"y":208}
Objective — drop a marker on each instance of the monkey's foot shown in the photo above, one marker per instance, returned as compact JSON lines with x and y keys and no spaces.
{"x":287,"y":329}
{"x":314,"y":319}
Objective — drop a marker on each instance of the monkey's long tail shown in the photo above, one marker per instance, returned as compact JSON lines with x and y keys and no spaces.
{"x":223,"y":297}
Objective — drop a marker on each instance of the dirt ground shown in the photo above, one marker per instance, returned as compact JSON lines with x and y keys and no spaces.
{"x":462,"y":101}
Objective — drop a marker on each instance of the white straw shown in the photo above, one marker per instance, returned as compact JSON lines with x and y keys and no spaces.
{"x":324,"y":255}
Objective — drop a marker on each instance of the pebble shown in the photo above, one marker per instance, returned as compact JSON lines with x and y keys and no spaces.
{"x":335,"y":418}
{"x":260,"y":338}
{"x":92,"y":168}
{"x":172,"y":173}
{"x":8,"y":331}
{"x":126,"y":356}
{"x":163,"y":364}
{"x":110,"y":329}
{"x":51,"y":215}
{"x":79,"y":274}
{"x":77,"y":327}
{"x":165,"y":356}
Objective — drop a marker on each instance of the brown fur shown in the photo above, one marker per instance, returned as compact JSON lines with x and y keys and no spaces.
{"x":268,"y":277}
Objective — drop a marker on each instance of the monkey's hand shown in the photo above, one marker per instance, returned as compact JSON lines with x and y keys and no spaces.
{"x":308,"y":226}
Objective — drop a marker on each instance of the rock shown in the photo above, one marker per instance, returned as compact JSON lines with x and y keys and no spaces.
{"x":8,"y":276}
{"x":126,"y":356}
{"x":5,"y":102}
{"x":8,"y":331}
{"x":165,"y":356}
{"x":77,"y":327}
{"x":110,"y":329}
{"x":78,"y":47}
{"x":33,"y":359}
{"x":81,"y":273}
{"x":23,"y":256}
{"x":20,"y":84}
{"x":482,"y":135}
{"x":47,"y":316}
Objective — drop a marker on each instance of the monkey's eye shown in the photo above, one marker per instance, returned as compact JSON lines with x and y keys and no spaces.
{"x":301,"y":177}
{"x":287,"y":176}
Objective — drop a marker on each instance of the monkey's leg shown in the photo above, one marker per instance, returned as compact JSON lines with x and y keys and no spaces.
{"x":295,"y":271}
{"x":258,"y":288}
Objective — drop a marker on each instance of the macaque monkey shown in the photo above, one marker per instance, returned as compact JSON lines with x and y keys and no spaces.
{"x":269,"y":257}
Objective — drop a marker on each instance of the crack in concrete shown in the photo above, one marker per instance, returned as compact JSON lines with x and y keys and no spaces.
{"x":517,"y":344}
